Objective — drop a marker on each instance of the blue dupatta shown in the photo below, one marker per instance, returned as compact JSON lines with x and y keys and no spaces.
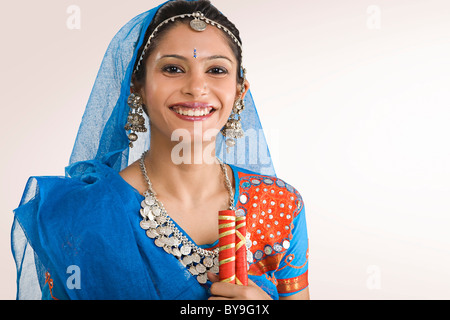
{"x":87,"y":243}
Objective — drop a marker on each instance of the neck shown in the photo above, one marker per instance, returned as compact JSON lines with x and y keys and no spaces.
{"x":184,"y":172}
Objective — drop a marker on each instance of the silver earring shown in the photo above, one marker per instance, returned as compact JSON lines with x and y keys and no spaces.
{"x":135,"y":120}
{"x":233,"y":128}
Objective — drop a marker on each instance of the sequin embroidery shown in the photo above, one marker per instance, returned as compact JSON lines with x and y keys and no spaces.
{"x":271,"y":206}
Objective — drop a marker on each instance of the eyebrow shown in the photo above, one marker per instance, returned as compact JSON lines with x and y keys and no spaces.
{"x":176,"y":56}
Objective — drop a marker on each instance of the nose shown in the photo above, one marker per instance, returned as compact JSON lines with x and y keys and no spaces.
{"x":196,"y":84}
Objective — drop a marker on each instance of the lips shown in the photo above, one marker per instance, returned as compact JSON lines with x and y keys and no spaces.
{"x":193,"y":111}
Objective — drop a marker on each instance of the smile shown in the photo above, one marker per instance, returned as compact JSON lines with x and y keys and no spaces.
{"x":193,"y":111}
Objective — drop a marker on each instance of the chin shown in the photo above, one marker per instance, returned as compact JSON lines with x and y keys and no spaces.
{"x":198,"y":131}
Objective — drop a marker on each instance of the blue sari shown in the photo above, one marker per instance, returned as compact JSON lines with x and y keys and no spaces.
{"x":86,"y":242}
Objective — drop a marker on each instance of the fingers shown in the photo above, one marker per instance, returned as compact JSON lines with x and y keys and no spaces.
{"x":221,"y":290}
{"x":252,"y":284}
{"x":213,"y":277}
{"x":226,"y":291}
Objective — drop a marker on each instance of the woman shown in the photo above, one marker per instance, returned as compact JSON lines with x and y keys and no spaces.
{"x":128,"y":224}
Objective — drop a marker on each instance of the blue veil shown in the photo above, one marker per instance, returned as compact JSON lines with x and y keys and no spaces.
{"x":101,"y":135}
{"x":102,"y":138}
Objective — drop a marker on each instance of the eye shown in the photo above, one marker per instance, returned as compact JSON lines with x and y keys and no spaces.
{"x":172,"y":69}
{"x":218,"y":70}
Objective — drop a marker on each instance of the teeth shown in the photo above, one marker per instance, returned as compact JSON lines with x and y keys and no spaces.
{"x":191,"y":112}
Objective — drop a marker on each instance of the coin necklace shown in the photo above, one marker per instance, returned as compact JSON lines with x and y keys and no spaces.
{"x":163,"y":230}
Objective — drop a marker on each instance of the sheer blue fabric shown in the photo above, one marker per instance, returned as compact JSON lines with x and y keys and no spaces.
{"x":101,"y":135}
{"x":90,"y":217}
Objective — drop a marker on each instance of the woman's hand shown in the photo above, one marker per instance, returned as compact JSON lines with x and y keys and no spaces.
{"x":229,"y":291}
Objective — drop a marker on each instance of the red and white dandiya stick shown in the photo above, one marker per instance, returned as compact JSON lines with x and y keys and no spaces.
{"x":227,"y":230}
{"x":241,"y":251}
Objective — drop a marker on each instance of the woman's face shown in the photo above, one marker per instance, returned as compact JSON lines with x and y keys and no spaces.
{"x":191,"y":81}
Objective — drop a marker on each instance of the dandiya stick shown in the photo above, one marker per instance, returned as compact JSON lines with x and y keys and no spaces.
{"x":227,"y":230}
{"x":241,"y":251}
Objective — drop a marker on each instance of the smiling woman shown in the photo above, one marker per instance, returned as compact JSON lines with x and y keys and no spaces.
{"x":132,"y":220}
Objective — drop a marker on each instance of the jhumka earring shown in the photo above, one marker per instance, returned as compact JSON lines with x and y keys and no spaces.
{"x":233,"y":128}
{"x":135,"y":120}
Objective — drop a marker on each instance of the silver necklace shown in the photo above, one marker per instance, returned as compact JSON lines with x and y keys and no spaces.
{"x":163,"y":230}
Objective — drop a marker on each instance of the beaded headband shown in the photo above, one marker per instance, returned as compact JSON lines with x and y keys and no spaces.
{"x":198,"y":24}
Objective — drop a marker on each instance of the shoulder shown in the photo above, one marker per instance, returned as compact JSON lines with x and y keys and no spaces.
{"x":273,"y":209}
{"x":83,"y":181}
{"x":267,"y":191}
{"x":89,"y":171}
{"x":81,"y":176}
{"x":54,"y":209}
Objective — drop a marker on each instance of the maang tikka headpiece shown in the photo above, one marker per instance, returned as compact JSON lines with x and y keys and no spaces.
{"x":233,"y":127}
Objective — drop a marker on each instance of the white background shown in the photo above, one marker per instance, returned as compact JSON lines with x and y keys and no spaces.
{"x":354,"y":97}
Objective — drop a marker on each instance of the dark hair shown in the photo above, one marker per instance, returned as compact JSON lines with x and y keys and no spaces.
{"x":178,"y":7}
